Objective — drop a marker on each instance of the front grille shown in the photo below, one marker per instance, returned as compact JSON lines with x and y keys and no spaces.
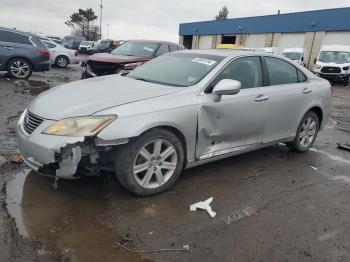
{"x":31,"y":122}
{"x":331,"y":70}
{"x":103,"y":68}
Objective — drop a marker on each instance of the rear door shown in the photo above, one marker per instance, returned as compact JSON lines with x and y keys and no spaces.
{"x":6,"y":48}
{"x":289,"y":95}
{"x":237,"y":122}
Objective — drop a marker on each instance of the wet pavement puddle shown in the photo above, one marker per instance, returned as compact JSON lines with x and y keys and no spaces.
{"x":67,"y":220}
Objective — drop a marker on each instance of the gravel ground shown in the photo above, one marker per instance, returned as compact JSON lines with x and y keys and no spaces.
{"x":272,"y":205}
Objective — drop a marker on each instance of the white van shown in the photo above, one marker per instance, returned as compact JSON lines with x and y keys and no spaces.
{"x":295,"y":54}
{"x":333,"y":63}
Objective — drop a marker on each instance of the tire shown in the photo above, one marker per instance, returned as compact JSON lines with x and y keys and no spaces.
{"x":309,"y":126}
{"x":62,"y":61}
{"x":144,"y":177}
{"x":346,"y":80}
{"x":19,"y":68}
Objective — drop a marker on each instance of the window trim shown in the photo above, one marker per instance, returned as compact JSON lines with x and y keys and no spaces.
{"x":296,"y":70}
{"x":204,"y":90}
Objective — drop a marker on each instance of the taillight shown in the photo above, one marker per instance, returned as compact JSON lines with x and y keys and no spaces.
{"x":44,"y":52}
{"x":332,"y":89}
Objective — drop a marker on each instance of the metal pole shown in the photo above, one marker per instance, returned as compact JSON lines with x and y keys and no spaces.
{"x":101,"y":6}
{"x":107,"y":30}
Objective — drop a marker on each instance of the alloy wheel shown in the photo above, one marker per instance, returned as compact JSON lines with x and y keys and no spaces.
{"x":308,"y":131}
{"x":20,"y":69}
{"x":155,"y":163}
{"x":62,"y":62}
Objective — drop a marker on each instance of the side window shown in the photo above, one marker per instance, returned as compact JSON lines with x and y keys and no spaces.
{"x":49,"y":45}
{"x":301,"y":77}
{"x":12,"y":37}
{"x":281,"y":72}
{"x":173,"y":48}
{"x":163,"y":50}
{"x":246,"y":70}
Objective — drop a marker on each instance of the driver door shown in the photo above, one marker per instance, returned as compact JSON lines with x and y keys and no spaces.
{"x":237,"y":122}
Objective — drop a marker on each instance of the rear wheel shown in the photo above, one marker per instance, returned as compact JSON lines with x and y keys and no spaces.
{"x":19,"y":68}
{"x":306,"y":134}
{"x":151,"y":163}
{"x":62,"y":61}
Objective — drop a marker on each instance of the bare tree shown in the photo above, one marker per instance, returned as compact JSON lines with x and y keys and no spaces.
{"x":223,"y":13}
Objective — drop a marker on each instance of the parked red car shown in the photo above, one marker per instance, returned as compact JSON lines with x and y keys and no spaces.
{"x":126,"y":57}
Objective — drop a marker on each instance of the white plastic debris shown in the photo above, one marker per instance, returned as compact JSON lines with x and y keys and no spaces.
{"x":314,"y":168}
{"x":205,"y":205}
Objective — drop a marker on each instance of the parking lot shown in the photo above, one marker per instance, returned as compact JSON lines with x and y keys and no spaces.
{"x":271,"y":204}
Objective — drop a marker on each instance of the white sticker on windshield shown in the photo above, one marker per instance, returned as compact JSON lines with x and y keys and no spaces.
{"x":148,"y":49}
{"x":204,"y":61}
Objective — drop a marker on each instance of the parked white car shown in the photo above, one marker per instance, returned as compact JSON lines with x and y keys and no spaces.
{"x":333,"y":63}
{"x":59,"y":55}
{"x":87,"y":47}
{"x":295,"y":54}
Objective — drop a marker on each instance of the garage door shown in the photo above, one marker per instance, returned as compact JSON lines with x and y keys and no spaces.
{"x":337,"y":38}
{"x":292,"y":40}
{"x":256,"y":40}
{"x":205,"y":42}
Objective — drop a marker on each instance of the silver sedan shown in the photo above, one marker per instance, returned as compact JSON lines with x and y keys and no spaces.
{"x":177,"y":111}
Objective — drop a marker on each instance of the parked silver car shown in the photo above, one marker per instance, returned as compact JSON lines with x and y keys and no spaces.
{"x":177,"y":111}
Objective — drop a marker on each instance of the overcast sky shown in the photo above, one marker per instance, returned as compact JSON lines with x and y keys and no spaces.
{"x":149,"y":19}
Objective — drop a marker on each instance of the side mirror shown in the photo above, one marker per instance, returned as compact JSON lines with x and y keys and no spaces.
{"x":315,"y":60}
{"x":226,"y":87}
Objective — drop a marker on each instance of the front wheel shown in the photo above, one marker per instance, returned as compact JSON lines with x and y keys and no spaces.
{"x":306,"y":134}
{"x":151,"y":163}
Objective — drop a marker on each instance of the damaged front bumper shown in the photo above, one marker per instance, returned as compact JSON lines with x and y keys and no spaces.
{"x":58,"y":156}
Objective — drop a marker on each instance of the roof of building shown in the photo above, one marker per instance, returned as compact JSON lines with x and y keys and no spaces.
{"x":310,"y":21}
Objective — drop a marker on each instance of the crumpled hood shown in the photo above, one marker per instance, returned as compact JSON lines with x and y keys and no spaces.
{"x":118,"y":59}
{"x":86,"y":97}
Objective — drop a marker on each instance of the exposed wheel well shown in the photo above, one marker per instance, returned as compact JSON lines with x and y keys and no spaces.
{"x":179,"y":134}
{"x":318,"y":112}
{"x":23,"y":58}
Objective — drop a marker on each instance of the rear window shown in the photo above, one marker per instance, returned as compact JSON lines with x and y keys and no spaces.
{"x":12,"y":37}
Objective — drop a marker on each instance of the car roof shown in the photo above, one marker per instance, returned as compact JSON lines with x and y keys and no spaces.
{"x":225,"y":52}
{"x":17,"y":31}
{"x":345,"y":48}
{"x":294,"y":49}
{"x":153,"y":41}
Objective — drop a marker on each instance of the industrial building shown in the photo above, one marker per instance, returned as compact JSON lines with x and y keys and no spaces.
{"x":309,"y":30}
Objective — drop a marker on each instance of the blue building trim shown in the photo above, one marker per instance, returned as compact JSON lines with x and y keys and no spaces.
{"x":320,"y":20}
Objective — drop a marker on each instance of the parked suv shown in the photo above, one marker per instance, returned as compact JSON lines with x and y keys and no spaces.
{"x":22,"y":53}
{"x":126,"y":57}
{"x":333,"y":63}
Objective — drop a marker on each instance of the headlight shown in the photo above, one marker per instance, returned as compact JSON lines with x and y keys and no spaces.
{"x":79,"y":126}
{"x":318,"y":66}
{"x":346,"y":68}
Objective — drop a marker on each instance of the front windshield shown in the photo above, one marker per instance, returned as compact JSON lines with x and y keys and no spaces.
{"x":136,"y":48}
{"x":176,"y":69}
{"x":338,"y":57}
{"x":292,"y":55}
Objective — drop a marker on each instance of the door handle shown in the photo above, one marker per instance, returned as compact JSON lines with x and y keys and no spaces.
{"x":261,"y":98}
{"x":306,"y":90}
